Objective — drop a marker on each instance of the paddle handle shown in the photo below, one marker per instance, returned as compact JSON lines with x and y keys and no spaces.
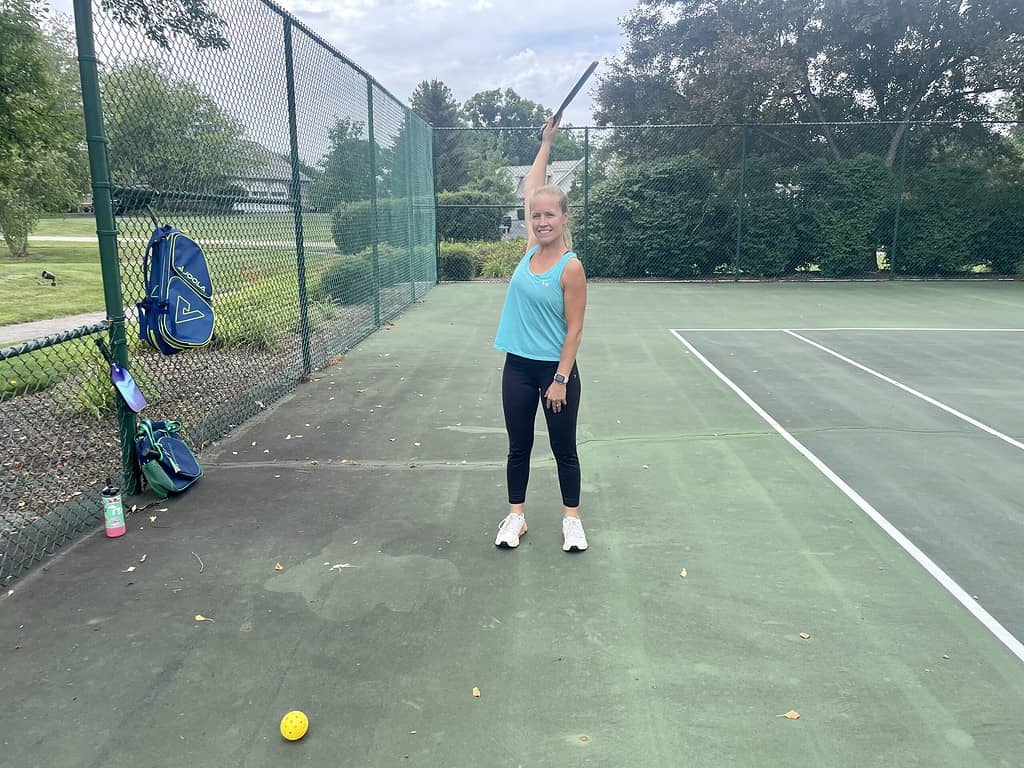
{"x":104,"y":350}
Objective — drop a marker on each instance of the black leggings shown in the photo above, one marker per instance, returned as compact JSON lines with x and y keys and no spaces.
{"x":523,"y":385}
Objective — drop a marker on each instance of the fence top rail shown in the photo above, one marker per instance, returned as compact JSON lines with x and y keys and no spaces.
{"x":34,"y":345}
{"x":296,"y":22}
{"x":736,"y":125}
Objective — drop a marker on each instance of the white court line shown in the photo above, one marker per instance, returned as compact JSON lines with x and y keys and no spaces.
{"x":910,"y":390}
{"x":991,"y":624}
{"x":863,"y":328}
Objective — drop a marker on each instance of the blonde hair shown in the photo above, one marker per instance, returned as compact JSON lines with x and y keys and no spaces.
{"x":563,"y":202}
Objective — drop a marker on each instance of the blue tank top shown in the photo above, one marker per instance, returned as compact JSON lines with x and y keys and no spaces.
{"x":532,"y":321}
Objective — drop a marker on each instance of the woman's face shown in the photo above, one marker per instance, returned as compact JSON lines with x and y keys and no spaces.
{"x":547,"y":219}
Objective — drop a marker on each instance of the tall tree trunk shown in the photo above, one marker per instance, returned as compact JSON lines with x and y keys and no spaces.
{"x":894,"y":145}
{"x":816,"y":106}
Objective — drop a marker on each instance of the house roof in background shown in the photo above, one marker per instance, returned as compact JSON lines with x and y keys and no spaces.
{"x":271,"y":166}
{"x":558,"y":173}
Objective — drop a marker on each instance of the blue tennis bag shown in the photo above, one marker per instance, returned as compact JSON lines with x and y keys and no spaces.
{"x":177,"y":313}
{"x":166,"y":461}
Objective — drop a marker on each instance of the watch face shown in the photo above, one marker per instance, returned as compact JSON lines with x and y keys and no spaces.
{"x":560,"y":378}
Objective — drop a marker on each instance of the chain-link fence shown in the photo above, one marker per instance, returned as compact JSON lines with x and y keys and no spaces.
{"x":308,"y":185}
{"x":789,"y":201}
{"x":57,"y":443}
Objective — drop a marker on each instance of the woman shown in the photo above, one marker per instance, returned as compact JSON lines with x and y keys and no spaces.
{"x":540,"y":331}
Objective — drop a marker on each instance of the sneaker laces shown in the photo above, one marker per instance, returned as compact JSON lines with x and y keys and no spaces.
{"x":512,"y":523}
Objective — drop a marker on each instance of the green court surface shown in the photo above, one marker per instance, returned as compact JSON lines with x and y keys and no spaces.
{"x":858,"y":479}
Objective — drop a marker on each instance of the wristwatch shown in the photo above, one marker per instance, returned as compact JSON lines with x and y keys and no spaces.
{"x":560,"y":378}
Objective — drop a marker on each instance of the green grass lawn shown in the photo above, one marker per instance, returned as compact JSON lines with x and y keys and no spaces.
{"x":25,"y":296}
{"x":66,"y":226}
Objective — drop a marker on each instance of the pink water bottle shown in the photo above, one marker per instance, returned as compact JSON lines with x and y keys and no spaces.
{"x":113,"y":511}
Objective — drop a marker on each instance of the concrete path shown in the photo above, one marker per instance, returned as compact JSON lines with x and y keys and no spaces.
{"x":11,"y":334}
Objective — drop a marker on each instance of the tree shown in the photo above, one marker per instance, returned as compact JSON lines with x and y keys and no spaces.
{"x":170,"y":135}
{"x":162,"y":19}
{"x":815,"y":60}
{"x":522,"y":118}
{"x":502,"y":109}
{"x":41,"y":161}
{"x":344,"y":171}
{"x":434,"y":102}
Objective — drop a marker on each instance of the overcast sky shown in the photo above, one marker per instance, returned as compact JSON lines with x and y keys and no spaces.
{"x":537,"y":47}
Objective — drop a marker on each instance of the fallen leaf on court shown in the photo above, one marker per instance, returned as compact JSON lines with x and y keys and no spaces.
{"x":644,"y":467}
{"x":791,"y":715}
{"x":152,"y":518}
{"x":143,"y":558}
{"x":476,"y":693}
{"x":278,"y":567}
{"x":200,"y":617}
{"x":253,"y":443}
{"x":682,"y":573}
{"x":129,"y":569}
{"x":805,"y":636}
{"x":10,"y":592}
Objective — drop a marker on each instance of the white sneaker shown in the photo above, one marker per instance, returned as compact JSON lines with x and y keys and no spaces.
{"x":573,"y":537}
{"x":511,"y":528}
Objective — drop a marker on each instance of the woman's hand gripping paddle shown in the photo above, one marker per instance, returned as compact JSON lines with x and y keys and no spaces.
{"x":122,"y":380}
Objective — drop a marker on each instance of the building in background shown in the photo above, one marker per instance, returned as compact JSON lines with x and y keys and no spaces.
{"x":561,"y":173}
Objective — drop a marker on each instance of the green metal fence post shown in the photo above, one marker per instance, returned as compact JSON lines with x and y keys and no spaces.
{"x":899,"y":200}
{"x":586,"y":193}
{"x":296,"y":194}
{"x":437,"y":219}
{"x":373,"y":203}
{"x":106,"y":229}
{"x":740,"y":205}
{"x":409,"y":189}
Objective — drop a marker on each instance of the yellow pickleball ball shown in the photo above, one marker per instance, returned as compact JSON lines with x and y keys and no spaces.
{"x":294,"y":725}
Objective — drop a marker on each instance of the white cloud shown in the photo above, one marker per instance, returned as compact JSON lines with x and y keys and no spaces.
{"x":537,"y":48}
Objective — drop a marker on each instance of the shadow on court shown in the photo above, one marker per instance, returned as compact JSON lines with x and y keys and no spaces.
{"x":377,"y":488}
